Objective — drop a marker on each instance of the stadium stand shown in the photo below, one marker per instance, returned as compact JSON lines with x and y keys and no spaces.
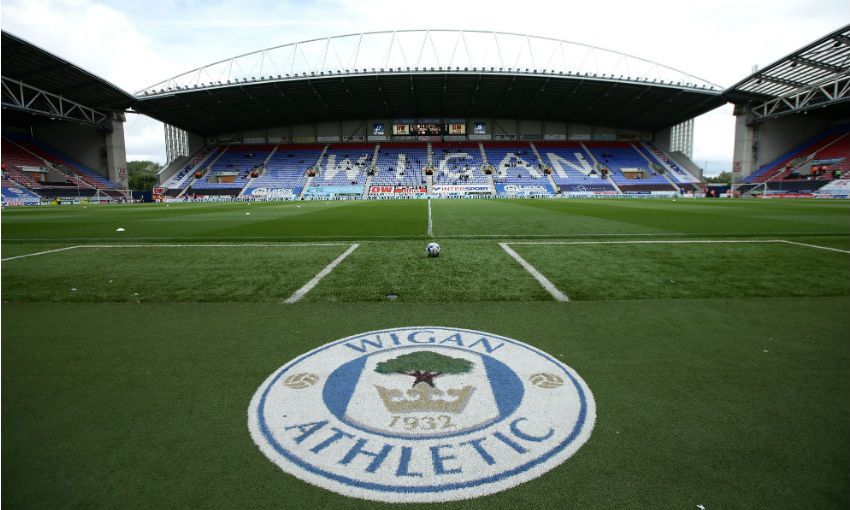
{"x":285,"y":173}
{"x":458,"y":163}
{"x":36,"y":166}
{"x":401,"y":164}
{"x":283,"y":169}
{"x":831,"y":145}
{"x":177,"y":182}
{"x":572,"y":168}
{"x":628,"y":168}
{"x":345,"y":165}
{"x":228,"y":174}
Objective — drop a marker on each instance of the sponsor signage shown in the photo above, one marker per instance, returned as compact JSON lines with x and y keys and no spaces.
{"x":397,"y":190}
{"x":480,"y":137}
{"x":605,"y":137}
{"x":304,"y":139}
{"x":523,"y":189}
{"x":424,"y":414}
{"x":579,"y":137}
{"x":377,"y":138}
{"x":554,"y":137}
{"x":450,"y":189}
{"x":254,"y":140}
{"x":331,"y":138}
{"x":282,"y":193}
{"x":355,"y":138}
{"x":327,"y":191}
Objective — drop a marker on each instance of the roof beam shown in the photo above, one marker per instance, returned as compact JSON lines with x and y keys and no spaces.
{"x":780,"y":81}
{"x":20,"y":96}
{"x":504,"y":96}
{"x":815,"y":64}
{"x":842,"y":39}
{"x":322,"y":100}
{"x":564,"y":99}
{"x":352,"y":98}
{"x":383,"y":98}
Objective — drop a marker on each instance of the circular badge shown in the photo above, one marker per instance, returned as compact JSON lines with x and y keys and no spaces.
{"x":422,"y":414}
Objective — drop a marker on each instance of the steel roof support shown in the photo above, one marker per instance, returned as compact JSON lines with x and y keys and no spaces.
{"x":835,"y":89}
{"x":20,"y":96}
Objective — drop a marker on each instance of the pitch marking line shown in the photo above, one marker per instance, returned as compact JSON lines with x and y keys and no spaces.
{"x":816,"y":246}
{"x":177,"y":245}
{"x":686,"y":241}
{"x":549,"y":286}
{"x":430,"y":223}
{"x":300,"y":293}
{"x":39,"y":253}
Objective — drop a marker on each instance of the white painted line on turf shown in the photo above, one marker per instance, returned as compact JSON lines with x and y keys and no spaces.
{"x":178,"y":245}
{"x":39,"y":253}
{"x":549,"y":286}
{"x":430,"y":223}
{"x":660,"y":241}
{"x":300,"y":293}
{"x":816,"y":246}
{"x":209,"y":245}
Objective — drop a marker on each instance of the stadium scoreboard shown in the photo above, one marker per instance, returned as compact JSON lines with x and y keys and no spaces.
{"x":429,"y":127}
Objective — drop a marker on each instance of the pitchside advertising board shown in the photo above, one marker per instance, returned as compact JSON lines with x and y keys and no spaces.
{"x":328,"y":191}
{"x":421,"y":414}
{"x":520,"y":190}
{"x":460,"y":189}
{"x":397,"y":190}
{"x":281,"y":193}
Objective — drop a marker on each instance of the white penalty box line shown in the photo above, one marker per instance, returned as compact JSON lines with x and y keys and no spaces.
{"x":174,"y":245}
{"x":558,"y":295}
{"x":294,"y":298}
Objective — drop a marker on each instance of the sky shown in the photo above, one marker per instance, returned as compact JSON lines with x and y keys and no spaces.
{"x":137,"y":44}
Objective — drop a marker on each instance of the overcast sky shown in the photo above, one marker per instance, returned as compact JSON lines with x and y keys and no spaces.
{"x":136,"y":44}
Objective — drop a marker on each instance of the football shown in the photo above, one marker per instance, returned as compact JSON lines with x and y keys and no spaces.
{"x":433,"y":250}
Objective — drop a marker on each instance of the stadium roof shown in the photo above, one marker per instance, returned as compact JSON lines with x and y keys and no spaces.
{"x":38,"y":68}
{"x":427,"y":74}
{"x":815,"y":76}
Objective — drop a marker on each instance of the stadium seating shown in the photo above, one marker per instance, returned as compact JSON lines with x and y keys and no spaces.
{"x":829,"y":144}
{"x":231,"y":172}
{"x":88,"y":176}
{"x":345,"y":165}
{"x":181,"y":178}
{"x":458,"y":163}
{"x":287,"y":169}
{"x":515,"y":164}
{"x":13,"y":193}
{"x":401,"y":164}
{"x":572,"y":168}
{"x":622,"y":158}
{"x":14,"y":155}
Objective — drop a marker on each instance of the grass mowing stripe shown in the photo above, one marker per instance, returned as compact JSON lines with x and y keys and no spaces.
{"x":300,"y":293}
{"x":549,"y":286}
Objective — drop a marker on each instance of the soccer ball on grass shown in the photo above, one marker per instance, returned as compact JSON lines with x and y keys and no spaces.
{"x":433,"y":250}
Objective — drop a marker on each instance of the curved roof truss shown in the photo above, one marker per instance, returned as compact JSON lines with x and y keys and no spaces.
{"x":424,"y":51}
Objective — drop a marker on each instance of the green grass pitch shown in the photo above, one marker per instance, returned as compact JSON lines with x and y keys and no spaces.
{"x":714,"y":334}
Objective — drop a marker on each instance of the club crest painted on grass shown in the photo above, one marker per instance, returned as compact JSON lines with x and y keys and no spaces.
{"x":422,"y":414}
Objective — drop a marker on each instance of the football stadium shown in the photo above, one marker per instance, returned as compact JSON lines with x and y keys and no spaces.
{"x":447,"y":268}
